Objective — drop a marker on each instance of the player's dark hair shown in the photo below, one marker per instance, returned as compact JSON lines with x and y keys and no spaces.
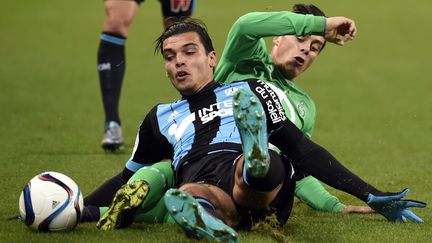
{"x":301,"y":8}
{"x":177,"y":26}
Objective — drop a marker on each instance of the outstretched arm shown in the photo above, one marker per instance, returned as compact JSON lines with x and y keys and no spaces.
{"x":319,"y":163}
{"x":244,"y":40}
{"x":322,"y":165}
{"x":245,"y":37}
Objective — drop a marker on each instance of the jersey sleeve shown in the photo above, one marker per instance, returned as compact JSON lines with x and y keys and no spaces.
{"x":245,"y":37}
{"x":150,"y":146}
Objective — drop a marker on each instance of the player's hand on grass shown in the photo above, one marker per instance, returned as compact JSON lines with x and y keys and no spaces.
{"x":357,"y":209}
{"x":337,"y":27}
{"x":393,"y":208}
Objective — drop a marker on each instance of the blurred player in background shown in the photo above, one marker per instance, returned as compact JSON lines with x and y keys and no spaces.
{"x":112,"y":61}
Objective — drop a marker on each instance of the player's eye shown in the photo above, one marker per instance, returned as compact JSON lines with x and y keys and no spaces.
{"x":190,"y":52}
{"x":300,"y":38}
{"x":168,"y":57}
{"x":315,"y":47}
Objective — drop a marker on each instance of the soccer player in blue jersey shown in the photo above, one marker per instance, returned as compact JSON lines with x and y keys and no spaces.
{"x":217,"y":138}
{"x":112,"y":61}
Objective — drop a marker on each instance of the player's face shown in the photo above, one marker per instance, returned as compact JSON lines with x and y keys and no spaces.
{"x":294,"y":54}
{"x":187,"y":64}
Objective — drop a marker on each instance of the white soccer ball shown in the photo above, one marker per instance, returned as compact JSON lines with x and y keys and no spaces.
{"x":51,"y":201}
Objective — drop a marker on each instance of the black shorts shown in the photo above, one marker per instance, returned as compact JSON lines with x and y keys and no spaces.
{"x":175,"y":8}
{"x":218,"y":169}
{"x":215,"y":169}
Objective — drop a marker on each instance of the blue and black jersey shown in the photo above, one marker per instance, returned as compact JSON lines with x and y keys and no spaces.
{"x":203,"y":124}
{"x":195,"y":126}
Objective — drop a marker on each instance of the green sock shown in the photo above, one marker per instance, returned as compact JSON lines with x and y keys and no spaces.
{"x":311,"y":191}
{"x":160,"y":177}
{"x":158,"y":214}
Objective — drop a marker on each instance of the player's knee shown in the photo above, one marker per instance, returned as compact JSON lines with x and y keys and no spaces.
{"x":119,"y":16}
{"x":209,"y":192}
{"x":214,"y":200}
{"x":167,"y":171}
{"x":117,"y":26}
{"x":195,"y":190}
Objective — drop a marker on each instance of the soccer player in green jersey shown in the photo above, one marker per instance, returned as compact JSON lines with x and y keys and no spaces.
{"x":295,"y":47}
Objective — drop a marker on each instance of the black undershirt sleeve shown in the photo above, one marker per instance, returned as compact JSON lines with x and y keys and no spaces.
{"x":318,"y":162}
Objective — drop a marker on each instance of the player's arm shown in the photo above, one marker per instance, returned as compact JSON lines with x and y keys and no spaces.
{"x":245,"y":37}
{"x":319,"y":163}
{"x":150,"y":145}
{"x":313,"y":193}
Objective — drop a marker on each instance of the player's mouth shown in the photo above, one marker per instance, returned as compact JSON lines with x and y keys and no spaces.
{"x":299,"y":61}
{"x":181,"y":75}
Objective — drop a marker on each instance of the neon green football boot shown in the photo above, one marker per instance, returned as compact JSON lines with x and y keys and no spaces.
{"x":128,"y":197}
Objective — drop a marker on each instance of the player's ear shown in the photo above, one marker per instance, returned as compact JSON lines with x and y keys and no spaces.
{"x":212,"y":59}
{"x":276,"y":40}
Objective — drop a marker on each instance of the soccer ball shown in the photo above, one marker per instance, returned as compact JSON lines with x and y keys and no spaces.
{"x":51,"y":201}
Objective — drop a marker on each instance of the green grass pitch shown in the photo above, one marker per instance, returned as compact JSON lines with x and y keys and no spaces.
{"x":372,"y":95}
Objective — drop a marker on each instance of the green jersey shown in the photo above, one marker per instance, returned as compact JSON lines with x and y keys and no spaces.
{"x":245,"y":56}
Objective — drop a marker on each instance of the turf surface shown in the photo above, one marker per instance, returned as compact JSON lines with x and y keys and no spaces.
{"x":372,"y":96}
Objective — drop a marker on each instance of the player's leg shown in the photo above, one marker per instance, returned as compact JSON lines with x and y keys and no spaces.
{"x":179,"y":8}
{"x":156,"y":214}
{"x":259,"y":174}
{"x":251,"y":122}
{"x":112,"y":64}
{"x":96,"y":203}
{"x":258,"y":193}
{"x":203,"y":211}
{"x":285,"y":198}
{"x":139,"y":196}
